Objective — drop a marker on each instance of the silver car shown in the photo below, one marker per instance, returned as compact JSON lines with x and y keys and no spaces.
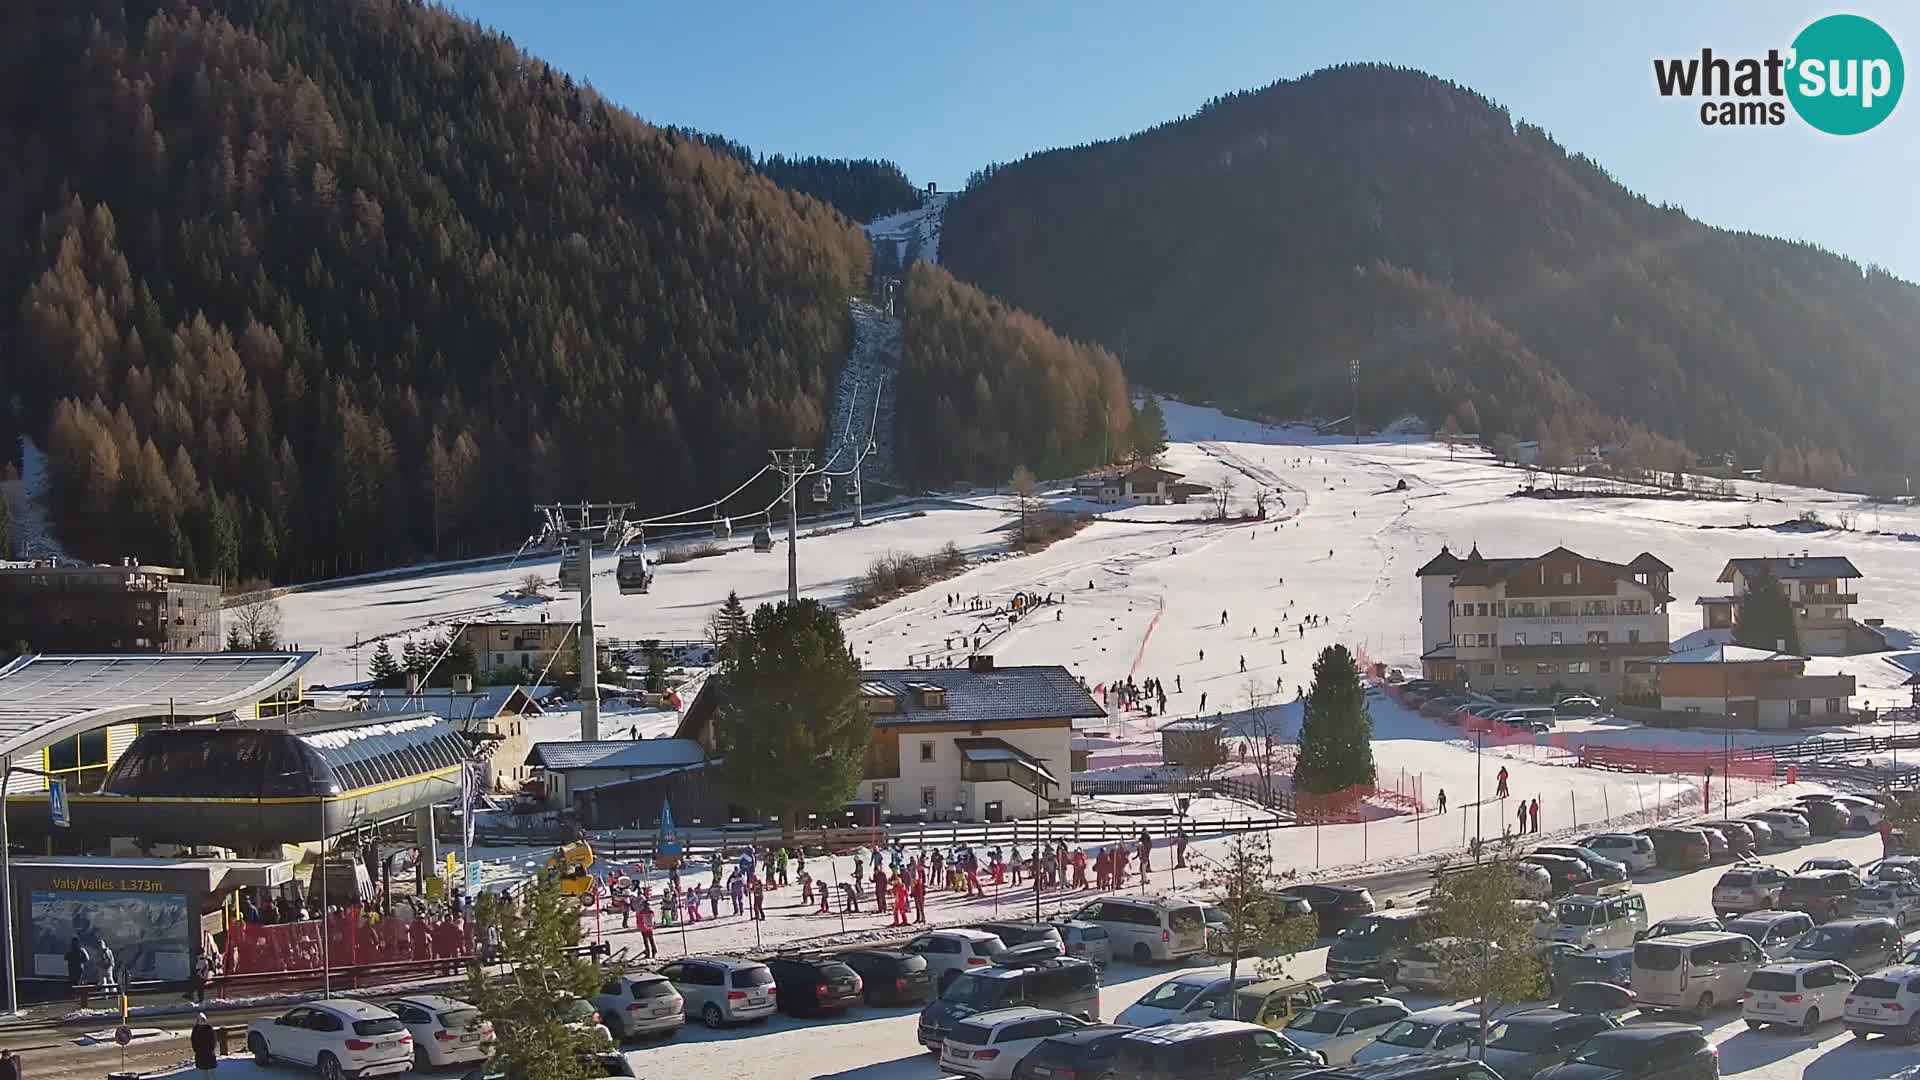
{"x":722,"y":990}
{"x":1086,"y":941}
{"x":1774,"y":931}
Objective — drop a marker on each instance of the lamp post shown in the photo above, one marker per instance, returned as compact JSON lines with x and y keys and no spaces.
{"x":1479,"y":794}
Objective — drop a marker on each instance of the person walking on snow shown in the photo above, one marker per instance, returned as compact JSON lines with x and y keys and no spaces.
{"x":1243,"y":663}
{"x":1500,"y":783}
{"x":899,"y":901}
{"x":646,"y":925}
{"x":1523,"y":816}
{"x":1203,"y":701}
{"x":1176,"y":679}
{"x":1443,"y":800}
{"x":1535,"y":811}
{"x":919,"y":899}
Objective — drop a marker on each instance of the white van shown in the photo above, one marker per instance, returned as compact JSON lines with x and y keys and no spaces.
{"x":1596,"y":922}
{"x":1148,"y":928}
{"x":1694,"y":971}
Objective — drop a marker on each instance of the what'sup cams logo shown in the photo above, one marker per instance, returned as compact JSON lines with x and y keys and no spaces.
{"x":1842,"y":75}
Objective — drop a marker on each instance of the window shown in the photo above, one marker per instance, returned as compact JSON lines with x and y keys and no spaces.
{"x":927,"y":798}
{"x":1633,"y":607}
{"x":1596,"y":637}
{"x":1465,"y":640}
{"x":880,"y":794}
{"x":1554,"y":638}
{"x":1566,"y":578}
{"x":1513,"y":669}
{"x":1803,"y":707}
{"x":1519,"y":637}
{"x":1543,"y":669}
{"x":1486,"y":669}
{"x":1606,"y":666}
{"x":1578,"y":667}
{"x":1560,"y":607}
{"x":1633,"y":637}
{"x":926,"y":750}
{"x":1483,"y":639}
{"x":1483,"y":608}
{"x":1835,"y":705}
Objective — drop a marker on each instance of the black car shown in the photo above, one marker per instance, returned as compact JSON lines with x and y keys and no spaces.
{"x":813,"y":985}
{"x":891,"y":977}
{"x":1408,"y":1067}
{"x":1565,"y":873}
{"x":1642,"y":1052}
{"x":1086,"y":1054}
{"x":1824,"y":818}
{"x":1335,"y":906}
{"x":1205,"y":1050}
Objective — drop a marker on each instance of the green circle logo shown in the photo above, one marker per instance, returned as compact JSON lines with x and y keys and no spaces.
{"x":1846,"y":74}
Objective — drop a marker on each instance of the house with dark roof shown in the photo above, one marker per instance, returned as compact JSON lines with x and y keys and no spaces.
{"x":1819,"y":587}
{"x":1557,"y":620}
{"x":976,"y":743}
{"x":1141,"y":484}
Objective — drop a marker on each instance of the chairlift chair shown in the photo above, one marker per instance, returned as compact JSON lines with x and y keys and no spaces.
{"x":822,"y":489}
{"x":723,"y":529}
{"x":762,"y":539}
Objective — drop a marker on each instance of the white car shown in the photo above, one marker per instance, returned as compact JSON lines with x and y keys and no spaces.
{"x":1182,"y":999}
{"x":1886,"y":1002}
{"x":1788,"y":827}
{"x":1861,"y":813}
{"x":1801,"y":995}
{"x":1631,"y":850}
{"x":1338,"y":1029}
{"x":988,"y":1046}
{"x":1423,"y":966}
{"x":1893,"y":867}
{"x":1447,"y":1031}
{"x":950,"y":952}
{"x":445,"y":1031}
{"x":640,"y":1003}
{"x":722,"y":990}
{"x":341,"y":1038}
{"x":1896,"y":900}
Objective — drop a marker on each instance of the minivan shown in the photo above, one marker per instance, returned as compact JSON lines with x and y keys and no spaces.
{"x":1373,"y":946}
{"x":1694,"y":971}
{"x":1596,"y":921}
{"x":1149,"y":928}
{"x":1823,"y":894}
{"x":1063,"y":985}
{"x":1682,"y":848}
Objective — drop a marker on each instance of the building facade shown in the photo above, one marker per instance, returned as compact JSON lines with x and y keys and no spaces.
{"x":1757,"y":687}
{"x":127,"y":607}
{"x":1555,"y":621}
{"x":1819,"y":588}
{"x":529,"y":647}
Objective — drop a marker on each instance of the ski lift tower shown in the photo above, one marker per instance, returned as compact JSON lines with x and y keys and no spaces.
{"x":581,"y":524}
{"x":794,"y":465}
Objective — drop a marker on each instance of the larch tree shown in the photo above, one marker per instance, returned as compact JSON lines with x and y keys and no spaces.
{"x":1479,"y":928}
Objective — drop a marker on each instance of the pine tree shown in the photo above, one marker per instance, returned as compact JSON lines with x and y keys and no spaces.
{"x":235,"y":643}
{"x":383,"y":672}
{"x":656,"y":670}
{"x":1149,"y":430}
{"x":456,"y":658}
{"x":790,"y":727}
{"x":535,"y":977}
{"x":728,"y":623}
{"x":1766,"y":615}
{"x":1336,"y":735}
{"x":411,"y":662}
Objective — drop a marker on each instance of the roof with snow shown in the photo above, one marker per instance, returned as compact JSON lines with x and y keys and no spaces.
{"x":1793,"y":567}
{"x":1039,"y":692}
{"x":480,"y":703}
{"x":45,"y":698}
{"x":1726,"y":654}
{"x":616,"y":754}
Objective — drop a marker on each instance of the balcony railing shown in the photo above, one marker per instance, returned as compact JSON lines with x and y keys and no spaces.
{"x":1833,"y":599}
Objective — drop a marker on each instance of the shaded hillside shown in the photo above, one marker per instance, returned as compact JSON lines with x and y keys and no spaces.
{"x":1472,"y":266}
{"x":293,"y":287}
{"x":985,"y":388}
{"x":861,"y":188}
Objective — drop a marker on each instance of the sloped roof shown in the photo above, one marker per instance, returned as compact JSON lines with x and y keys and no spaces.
{"x":1482,"y":571}
{"x":1726,"y":654}
{"x":48,"y":697}
{"x":1444,"y":563}
{"x":1645,"y":562}
{"x":1038,"y":692}
{"x":1794,"y":567}
{"x":616,"y":754}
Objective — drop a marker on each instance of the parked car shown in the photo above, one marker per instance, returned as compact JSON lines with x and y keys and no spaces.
{"x":1182,"y":999}
{"x":1718,"y":846}
{"x":1680,"y":848}
{"x":1207,"y":1050}
{"x":1862,"y":814}
{"x":1886,"y":1002}
{"x":1829,"y":862}
{"x":1422,"y":964}
{"x":950,"y":952}
{"x":1695,"y":971}
{"x":1609,"y":999}
{"x":1593,"y":965}
{"x":340,"y":1038}
{"x":814,"y":985}
{"x":1446,"y":1031}
{"x":579,"y":1015}
{"x":1738,"y":833}
{"x":1523,"y":1043}
{"x":1602,"y":868}
{"x":1596,"y":921}
{"x":1446,"y":705}
{"x":722,"y":990}
{"x":1823,"y":894}
{"x":1788,"y":829}
{"x":990,"y":1045}
{"x":1774,"y":931}
{"x":1579,"y":705}
{"x":1892,"y":867}
{"x":1748,"y":887}
{"x":1270,"y":1002}
{"x":1149,"y":928}
{"x":1896,"y":900}
{"x":891,"y":976}
{"x":1801,"y":994}
{"x":1565,"y":874}
{"x":1354,"y":1014}
{"x":1763,"y":836}
{"x":1680,"y":924}
{"x":1372,"y":947}
{"x":1014,"y":933}
{"x":1336,"y":906}
{"x":1085,"y":941}
{"x":1218,"y":943}
{"x":1531,"y":880}
{"x":640,"y":1003}
{"x":445,"y":1031}
{"x":1861,"y":944}
{"x":1414,"y":1067}
{"x":1063,"y":985}
{"x":1823,"y":816}
{"x":1633,"y":850}
{"x":1642,"y":1052}
{"x":1088,"y":1053}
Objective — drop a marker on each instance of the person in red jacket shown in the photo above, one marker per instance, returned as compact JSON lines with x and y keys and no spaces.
{"x":899,"y":900}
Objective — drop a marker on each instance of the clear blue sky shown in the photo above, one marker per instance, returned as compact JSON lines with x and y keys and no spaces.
{"x":943,"y":89}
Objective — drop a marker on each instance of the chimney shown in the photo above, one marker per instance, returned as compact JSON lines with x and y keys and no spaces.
{"x":463,"y":683}
{"x":980,"y":662}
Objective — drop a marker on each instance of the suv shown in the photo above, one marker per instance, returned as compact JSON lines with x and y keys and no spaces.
{"x":1798,"y":994}
{"x":1744,"y":888}
{"x":1604,"y":870}
{"x":340,"y":1037}
{"x":1886,"y":1003}
{"x":950,"y":952}
{"x":991,"y":1045}
{"x":1149,"y":928}
{"x":1632,"y":850}
{"x":1682,"y":848}
{"x":722,"y":990}
{"x":1207,"y":1050}
{"x":1642,"y":1052}
{"x":814,"y":985}
{"x":1061,"y":985}
{"x":1823,"y":894}
{"x":1372,"y":947}
{"x":1523,"y":1043}
{"x":1087,"y":1053}
{"x":1592,"y":965}
{"x":1741,"y":834}
{"x":1565,"y":874}
{"x":1861,"y":944}
{"x":640,"y":1003}
{"x":1086,"y":941}
{"x":1774,"y":931}
{"x":889,"y":976}
{"x":1351,"y":1017}
{"x":1335,"y":906}
{"x":1596,"y":921}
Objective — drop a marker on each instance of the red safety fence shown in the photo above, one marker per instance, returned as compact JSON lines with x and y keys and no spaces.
{"x":353,"y":940}
{"x":1748,"y":766}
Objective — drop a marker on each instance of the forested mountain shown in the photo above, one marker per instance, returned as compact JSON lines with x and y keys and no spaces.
{"x":861,"y":188}
{"x":1469,"y":264}
{"x":291,"y":287}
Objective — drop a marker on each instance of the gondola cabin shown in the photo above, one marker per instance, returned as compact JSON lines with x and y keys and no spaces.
{"x":632,"y":574}
{"x":570,"y":569}
{"x":762,"y":540}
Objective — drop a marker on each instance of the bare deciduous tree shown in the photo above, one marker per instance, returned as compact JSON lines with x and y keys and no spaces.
{"x":1265,"y":729}
{"x":256,"y":624}
{"x":530,"y":585}
{"x":1223,"y":496}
